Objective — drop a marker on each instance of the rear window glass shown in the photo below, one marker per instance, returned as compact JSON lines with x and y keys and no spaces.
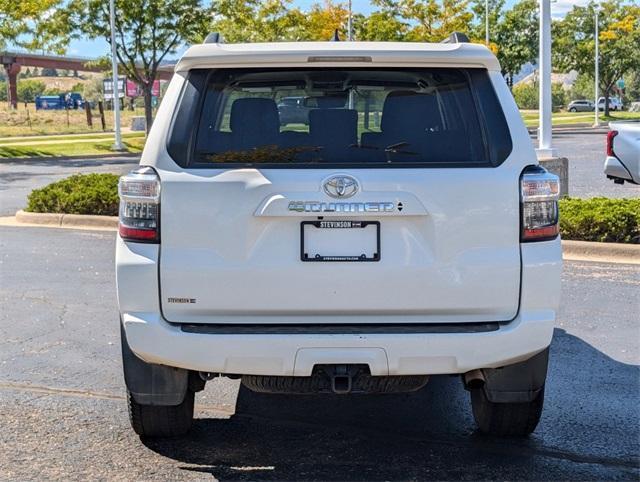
{"x":343,"y":117}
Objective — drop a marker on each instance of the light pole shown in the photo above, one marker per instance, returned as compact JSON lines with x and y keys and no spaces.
{"x":349,"y":24}
{"x":117,"y":145}
{"x":596,"y":122}
{"x":486,"y":22}
{"x":544,"y":130}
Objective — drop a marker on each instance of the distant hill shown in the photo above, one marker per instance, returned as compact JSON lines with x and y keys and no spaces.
{"x":566,"y":80}
{"x":61,"y":83}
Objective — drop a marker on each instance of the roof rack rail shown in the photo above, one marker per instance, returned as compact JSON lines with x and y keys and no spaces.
{"x":213,"y":38}
{"x":456,"y":38}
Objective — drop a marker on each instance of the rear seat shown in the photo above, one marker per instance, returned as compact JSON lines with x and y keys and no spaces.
{"x":334,"y":129}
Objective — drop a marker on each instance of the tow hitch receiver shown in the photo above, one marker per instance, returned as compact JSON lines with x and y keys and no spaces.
{"x":341,"y":377}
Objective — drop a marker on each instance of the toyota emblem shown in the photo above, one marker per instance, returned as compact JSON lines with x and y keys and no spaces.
{"x":341,"y":186}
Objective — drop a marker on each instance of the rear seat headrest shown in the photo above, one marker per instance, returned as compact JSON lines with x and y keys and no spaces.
{"x":406,"y":109}
{"x":255,"y":113}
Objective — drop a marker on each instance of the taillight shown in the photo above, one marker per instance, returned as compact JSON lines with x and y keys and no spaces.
{"x":140,"y":206}
{"x":610,"y":136}
{"x":539,"y":192}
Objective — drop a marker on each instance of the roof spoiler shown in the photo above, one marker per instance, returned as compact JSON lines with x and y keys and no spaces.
{"x":213,"y":38}
{"x":456,"y":38}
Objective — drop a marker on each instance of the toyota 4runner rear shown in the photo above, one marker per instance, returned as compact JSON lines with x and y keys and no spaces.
{"x":401,"y":228}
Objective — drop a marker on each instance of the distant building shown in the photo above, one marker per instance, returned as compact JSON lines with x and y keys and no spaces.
{"x":567,"y":80}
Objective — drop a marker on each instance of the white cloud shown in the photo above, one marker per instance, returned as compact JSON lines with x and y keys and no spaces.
{"x":559,"y":8}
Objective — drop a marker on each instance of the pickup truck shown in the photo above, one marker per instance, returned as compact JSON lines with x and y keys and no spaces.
{"x":342,"y":254}
{"x":622,"y":163}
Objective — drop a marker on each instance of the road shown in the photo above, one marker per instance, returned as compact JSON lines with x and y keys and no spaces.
{"x":63,"y":412}
{"x":585,"y":153}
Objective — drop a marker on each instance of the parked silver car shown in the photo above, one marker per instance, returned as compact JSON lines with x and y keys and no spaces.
{"x":581,"y":106}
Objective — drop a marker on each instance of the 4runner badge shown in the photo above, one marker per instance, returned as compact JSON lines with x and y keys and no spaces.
{"x":331,"y":207}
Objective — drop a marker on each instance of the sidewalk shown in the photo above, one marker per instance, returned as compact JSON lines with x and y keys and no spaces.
{"x":96,"y":134}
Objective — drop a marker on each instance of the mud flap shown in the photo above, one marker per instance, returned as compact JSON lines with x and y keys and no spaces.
{"x":517,"y":383}
{"x":152,"y":384}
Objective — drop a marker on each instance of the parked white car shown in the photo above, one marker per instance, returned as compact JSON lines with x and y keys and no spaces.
{"x":614,"y":103}
{"x":623,"y":152}
{"x":405,"y":230}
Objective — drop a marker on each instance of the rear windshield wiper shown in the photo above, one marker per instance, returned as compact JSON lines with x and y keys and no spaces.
{"x":396,"y":149}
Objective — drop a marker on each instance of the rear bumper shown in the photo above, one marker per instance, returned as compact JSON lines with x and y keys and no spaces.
{"x":156,"y":341}
{"x":614,"y":169}
{"x":399,"y":353}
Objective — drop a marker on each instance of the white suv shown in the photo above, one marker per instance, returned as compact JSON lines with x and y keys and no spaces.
{"x":404,"y":230}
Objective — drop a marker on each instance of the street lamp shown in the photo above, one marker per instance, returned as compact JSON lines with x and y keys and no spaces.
{"x":544,"y":130}
{"x":117,"y":145}
{"x":486,"y":22}
{"x":349,"y":24}
{"x":596,"y":122}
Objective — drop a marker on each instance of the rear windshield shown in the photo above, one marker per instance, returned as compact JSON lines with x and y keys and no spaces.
{"x":340,"y":117}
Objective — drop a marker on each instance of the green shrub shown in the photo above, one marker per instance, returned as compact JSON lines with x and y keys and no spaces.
{"x":29,"y":89}
{"x":79,"y":194}
{"x":600,"y":219}
{"x":526,"y":96}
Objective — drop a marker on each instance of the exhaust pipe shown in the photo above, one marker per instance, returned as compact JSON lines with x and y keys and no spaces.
{"x":474,"y":380}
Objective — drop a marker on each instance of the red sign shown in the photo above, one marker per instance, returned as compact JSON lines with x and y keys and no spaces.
{"x":133,"y":90}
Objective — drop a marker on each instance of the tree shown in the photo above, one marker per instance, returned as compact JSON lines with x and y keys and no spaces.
{"x":380,"y":26}
{"x":146,"y":32}
{"x":29,"y":89}
{"x":619,"y":42}
{"x":428,"y":20}
{"x":92,"y":90}
{"x":516,"y":37}
{"x":257,"y":20}
{"x":24,"y":23}
{"x":79,"y":87}
{"x":478,"y":28}
{"x":526,"y":95}
{"x":322,"y":21}
{"x":582,"y":88}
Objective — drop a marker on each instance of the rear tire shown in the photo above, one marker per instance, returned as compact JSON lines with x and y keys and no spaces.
{"x":506,"y":419}
{"x":159,"y":420}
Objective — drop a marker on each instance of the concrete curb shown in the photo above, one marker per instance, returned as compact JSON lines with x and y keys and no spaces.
{"x":70,"y":158}
{"x":571,"y":250}
{"x":605,"y":252}
{"x":573,"y":130}
{"x":67,"y":220}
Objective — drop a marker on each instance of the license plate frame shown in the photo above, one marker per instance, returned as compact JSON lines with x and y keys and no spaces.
{"x":339,"y":225}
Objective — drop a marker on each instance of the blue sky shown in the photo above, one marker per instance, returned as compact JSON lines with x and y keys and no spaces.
{"x":96,"y":48}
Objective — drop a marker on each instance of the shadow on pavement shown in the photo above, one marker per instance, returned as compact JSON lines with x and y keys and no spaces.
{"x":589,"y":430}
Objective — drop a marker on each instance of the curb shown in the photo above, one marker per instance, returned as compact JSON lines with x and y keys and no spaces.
{"x":67,"y":220}
{"x":70,"y":158}
{"x":571,"y":250}
{"x":606,"y":252}
{"x":572,"y":130}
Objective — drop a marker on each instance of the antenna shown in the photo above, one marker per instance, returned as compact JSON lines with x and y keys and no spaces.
{"x":213,"y":38}
{"x":456,"y":38}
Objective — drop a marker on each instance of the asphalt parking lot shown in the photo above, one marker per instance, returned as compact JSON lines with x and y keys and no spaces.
{"x":63,"y":414}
